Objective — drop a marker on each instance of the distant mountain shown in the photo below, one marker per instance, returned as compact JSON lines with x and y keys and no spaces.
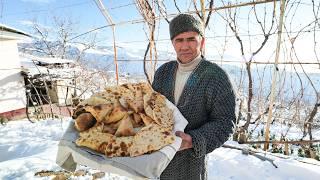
{"x":101,"y":57}
{"x":130,"y":62}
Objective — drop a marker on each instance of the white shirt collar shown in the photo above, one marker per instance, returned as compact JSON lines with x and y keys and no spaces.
{"x":190,"y":66}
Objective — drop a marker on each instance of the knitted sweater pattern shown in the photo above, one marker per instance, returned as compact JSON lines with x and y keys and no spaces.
{"x":208,"y":103}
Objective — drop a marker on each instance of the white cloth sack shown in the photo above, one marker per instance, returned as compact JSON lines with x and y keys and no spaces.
{"x":140,"y":167}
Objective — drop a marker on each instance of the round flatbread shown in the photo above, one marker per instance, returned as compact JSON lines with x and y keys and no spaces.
{"x":131,"y":120}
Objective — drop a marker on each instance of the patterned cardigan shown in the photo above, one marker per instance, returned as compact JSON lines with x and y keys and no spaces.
{"x":208,"y":103}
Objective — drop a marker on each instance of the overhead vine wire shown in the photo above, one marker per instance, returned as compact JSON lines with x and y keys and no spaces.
{"x":210,"y":9}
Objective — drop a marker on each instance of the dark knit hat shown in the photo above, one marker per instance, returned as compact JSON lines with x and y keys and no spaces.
{"x":184,"y":23}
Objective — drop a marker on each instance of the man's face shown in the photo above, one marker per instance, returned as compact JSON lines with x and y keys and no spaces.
{"x":188,"y":46}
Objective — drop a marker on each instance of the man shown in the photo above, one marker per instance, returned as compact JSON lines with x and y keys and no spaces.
{"x":202,"y":92}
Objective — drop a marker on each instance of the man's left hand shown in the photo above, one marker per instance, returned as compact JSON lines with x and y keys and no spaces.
{"x":186,"y":140}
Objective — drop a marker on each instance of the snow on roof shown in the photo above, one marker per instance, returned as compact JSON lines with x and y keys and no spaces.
{"x":30,"y":65}
{"x":7,"y":32}
{"x":47,"y":60}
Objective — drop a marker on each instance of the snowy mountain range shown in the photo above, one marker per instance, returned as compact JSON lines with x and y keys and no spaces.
{"x":130,"y":61}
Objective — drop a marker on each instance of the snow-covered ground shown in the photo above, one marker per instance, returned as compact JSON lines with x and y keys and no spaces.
{"x":27,"y":148}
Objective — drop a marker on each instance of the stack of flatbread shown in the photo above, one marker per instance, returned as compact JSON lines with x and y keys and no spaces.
{"x":125,"y":120}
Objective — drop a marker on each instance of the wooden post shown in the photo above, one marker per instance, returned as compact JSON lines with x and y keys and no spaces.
{"x":110,"y":22}
{"x":203,"y":12}
{"x":151,"y":54}
{"x":115,"y":53}
{"x":274,"y":76}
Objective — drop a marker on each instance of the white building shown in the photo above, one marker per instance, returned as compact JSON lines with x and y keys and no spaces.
{"x":12,"y":90}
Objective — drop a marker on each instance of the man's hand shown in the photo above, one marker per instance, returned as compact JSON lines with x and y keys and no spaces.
{"x":186,"y":140}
